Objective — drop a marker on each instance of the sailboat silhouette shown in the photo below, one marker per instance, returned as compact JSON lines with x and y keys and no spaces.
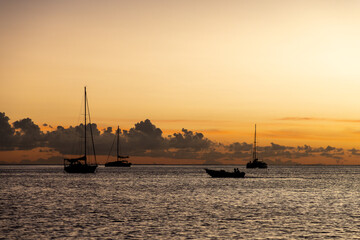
{"x":80,"y":165}
{"x":120,"y":159}
{"x":256,"y":163}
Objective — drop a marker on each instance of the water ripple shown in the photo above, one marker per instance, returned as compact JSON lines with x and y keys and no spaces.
{"x":179,"y":202}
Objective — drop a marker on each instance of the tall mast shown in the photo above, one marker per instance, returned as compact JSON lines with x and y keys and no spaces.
{"x":117,"y":144}
{"x":85,"y":126}
{"x":254,"y":151}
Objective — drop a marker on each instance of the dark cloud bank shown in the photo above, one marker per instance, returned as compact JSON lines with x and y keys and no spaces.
{"x":145,"y":139}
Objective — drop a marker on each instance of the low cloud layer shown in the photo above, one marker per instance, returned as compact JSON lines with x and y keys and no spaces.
{"x":319,"y":119}
{"x":145,"y":139}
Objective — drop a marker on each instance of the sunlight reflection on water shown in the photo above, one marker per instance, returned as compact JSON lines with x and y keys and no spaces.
{"x":177,"y":202}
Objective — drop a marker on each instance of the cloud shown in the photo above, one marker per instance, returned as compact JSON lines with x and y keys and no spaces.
{"x":277,"y":147}
{"x":31,"y":135}
{"x":7,"y":138}
{"x":50,"y":160}
{"x":319,"y":119}
{"x":329,"y":151}
{"x":300,"y":119}
{"x":277,"y":151}
{"x":64,"y":140}
{"x":214,"y":154}
{"x":145,"y":139}
{"x":329,"y":155}
{"x":355,"y":152}
{"x":189,"y":140}
{"x":144,"y":136}
{"x":239,"y":147}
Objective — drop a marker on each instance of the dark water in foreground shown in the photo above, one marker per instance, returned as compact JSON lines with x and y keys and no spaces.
{"x":180,"y":202}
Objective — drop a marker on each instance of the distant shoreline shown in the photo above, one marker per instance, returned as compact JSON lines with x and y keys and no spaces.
{"x":155,"y":164}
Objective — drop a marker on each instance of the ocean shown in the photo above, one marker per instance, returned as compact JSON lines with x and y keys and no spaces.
{"x":180,"y":202}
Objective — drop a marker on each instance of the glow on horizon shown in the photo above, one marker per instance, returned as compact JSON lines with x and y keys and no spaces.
{"x":207,"y":66}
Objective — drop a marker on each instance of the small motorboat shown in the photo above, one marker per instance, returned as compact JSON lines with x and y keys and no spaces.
{"x":225,"y":174}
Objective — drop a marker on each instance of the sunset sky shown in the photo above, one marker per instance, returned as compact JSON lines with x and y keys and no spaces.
{"x":211,"y":67}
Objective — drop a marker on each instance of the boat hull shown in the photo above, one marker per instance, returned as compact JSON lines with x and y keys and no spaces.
{"x":117,"y":164}
{"x":224,"y":174}
{"x":257,"y":164}
{"x":80,"y":168}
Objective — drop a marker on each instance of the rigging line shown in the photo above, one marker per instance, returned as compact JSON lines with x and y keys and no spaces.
{"x":120,"y":152}
{"x":77,"y":141}
{"x":111,"y":149}
{"x":80,"y":113}
{"x":76,"y":148}
{"x":91,"y":132}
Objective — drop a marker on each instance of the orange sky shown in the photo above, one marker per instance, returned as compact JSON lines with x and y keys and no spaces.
{"x":215,"y":67}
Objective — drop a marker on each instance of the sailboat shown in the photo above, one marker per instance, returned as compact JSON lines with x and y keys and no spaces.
{"x":256,"y":163}
{"x":120,"y":159}
{"x":80,"y":165}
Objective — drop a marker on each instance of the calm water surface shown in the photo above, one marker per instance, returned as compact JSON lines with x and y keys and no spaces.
{"x":180,"y":202}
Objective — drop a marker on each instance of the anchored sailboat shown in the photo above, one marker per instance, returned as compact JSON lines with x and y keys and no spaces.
{"x":80,"y":165}
{"x":256,"y":163}
{"x":120,"y":159}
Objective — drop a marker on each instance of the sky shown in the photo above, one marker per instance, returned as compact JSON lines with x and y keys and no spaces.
{"x":210,"y":67}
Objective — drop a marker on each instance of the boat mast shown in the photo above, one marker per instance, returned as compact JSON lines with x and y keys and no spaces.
{"x":85,"y":125}
{"x":117,"y":144}
{"x":254,"y":151}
